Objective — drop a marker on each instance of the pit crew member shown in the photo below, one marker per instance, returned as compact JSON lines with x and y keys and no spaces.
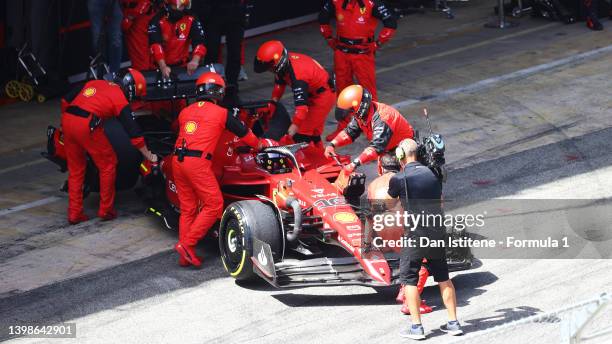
{"x":84,"y":110}
{"x":200,"y":127}
{"x":355,"y":42}
{"x":383,"y":126}
{"x":313,"y":93}
{"x":136,"y":17}
{"x":171,"y":32}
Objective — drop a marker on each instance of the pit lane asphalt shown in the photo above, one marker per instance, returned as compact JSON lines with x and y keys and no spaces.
{"x":542,"y":136}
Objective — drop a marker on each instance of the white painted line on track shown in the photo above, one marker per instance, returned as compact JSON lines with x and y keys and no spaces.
{"x":29,"y":205}
{"x":465,"y":48}
{"x":20,"y":166}
{"x":479,"y":85}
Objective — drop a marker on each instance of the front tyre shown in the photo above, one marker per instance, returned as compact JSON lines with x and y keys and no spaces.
{"x":241,"y":222}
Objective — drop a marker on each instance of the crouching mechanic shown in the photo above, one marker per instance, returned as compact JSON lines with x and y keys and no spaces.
{"x":200,"y":127}
{"x":420,"y":192}
{"x":381,"y":202}
{"x":313,"y":92}
{"x":383,"y":126}
{"x":83,"y":113}
{"x":171,"y":32}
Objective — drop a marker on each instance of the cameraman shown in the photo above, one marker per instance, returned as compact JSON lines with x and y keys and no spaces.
{"x":420,"y":192}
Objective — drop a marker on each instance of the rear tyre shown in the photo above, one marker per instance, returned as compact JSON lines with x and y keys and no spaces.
{"x":241,"y":222}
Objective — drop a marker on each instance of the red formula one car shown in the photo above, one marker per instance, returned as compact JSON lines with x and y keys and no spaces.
{"x":291,"y":215}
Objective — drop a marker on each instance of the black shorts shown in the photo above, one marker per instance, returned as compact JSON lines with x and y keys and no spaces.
{"x":409,"y":269}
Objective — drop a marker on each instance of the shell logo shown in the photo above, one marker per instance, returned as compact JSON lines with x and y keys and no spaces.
{"x":191,"y":127}
{"x":90,"y":91}
{"x":345,"y":217}
{"x":276,"y":56}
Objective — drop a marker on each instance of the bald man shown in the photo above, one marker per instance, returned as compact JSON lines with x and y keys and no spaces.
{"x":421,"y":192}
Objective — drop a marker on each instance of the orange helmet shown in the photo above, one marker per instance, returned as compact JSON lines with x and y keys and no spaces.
{"x":133,"y":83}
{"x":210,"y":85}
{"x":271,"y":56}
{"x":353,"y":100}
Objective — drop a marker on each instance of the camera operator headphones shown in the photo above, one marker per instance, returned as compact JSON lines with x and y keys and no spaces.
{"x":400,"y":152}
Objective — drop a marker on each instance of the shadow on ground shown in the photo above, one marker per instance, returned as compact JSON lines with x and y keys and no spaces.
{"x":468,"y":285}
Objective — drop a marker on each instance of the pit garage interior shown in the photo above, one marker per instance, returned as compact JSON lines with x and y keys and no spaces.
{"x":525,"y":112}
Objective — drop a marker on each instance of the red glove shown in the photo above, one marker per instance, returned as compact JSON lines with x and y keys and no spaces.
{"x":286,"y":140}
{"x":385,"y":35}
{"x":329,"y":151}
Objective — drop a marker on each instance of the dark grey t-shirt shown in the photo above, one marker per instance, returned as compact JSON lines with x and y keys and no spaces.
{"x":424,"y":193}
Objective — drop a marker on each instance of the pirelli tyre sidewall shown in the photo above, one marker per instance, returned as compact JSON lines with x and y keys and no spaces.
{"x":241,"y":222}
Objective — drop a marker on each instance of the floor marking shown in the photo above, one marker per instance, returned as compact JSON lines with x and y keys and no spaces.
{"x":497,"y":79}
{"x":20,"y":166}
{"x":467,"y":47}
{"x":29,"y":205}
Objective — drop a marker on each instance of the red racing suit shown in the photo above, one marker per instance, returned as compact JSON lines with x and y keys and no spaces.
{"x":312,"y":95}
{"x":170,"y":41}
{"x":384,"y":128}
{"x":355,"y":42}
{"x":136,"y":17}
{"x":200,"y":127}
{"x":103,"y":100}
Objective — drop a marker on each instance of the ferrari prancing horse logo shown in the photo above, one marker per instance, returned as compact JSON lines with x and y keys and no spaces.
{"x":191,"y":127}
